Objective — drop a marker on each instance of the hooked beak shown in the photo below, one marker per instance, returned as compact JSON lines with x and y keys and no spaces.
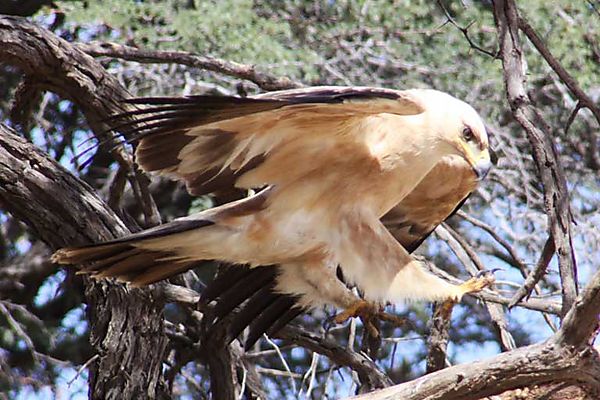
{"x":481,"y":168}
{"x":478,"y":159}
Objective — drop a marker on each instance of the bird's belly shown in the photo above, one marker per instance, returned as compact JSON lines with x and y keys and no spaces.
{"x":276,"y":238}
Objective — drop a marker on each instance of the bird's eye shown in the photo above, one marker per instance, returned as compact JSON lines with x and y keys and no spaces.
{"x":467,"y":134}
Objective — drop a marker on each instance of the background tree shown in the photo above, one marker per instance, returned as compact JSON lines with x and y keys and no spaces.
{"x":67,"y":66}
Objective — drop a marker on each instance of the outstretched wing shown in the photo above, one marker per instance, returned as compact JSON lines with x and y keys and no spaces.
{"x":214,"y":143}
{"x":435,"y":199}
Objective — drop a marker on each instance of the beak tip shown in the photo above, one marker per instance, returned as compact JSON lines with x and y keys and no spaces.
{"x":482,"y":168}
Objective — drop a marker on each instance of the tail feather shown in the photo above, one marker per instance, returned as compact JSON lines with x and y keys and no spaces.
{"x":126,"y":260}
{"x":133,"y":261}
{"x":80,"y":255}
{"x":159,"y":272}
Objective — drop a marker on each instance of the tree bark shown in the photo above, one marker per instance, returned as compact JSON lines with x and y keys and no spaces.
{"x":126,"y":326}
{"x":556,"y":197}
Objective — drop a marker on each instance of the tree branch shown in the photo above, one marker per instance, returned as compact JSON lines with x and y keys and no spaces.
{"x":62,"y":210}
{"x":243,"y":71}
{"x":584,"y":99}
{"x":556,"y":201}
{"x":369,"y":374}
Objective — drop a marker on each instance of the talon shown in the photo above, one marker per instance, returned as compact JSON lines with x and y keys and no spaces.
{"x":475,"y":284}
{"x":485,"y":273}
{"x":359,"y":308}
{"x":368,"y":313}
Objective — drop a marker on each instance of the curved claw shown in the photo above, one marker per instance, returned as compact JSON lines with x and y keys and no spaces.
{"x":485,"y":273}
{"x":368,"y":313}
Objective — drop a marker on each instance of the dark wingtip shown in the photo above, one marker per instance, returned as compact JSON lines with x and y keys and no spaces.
{"x":273,"y":318}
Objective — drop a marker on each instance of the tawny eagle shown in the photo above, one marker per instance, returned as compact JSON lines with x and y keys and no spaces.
{"x":354,"y":177}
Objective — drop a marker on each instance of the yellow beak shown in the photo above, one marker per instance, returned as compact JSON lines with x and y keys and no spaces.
{"x":478,"y":159}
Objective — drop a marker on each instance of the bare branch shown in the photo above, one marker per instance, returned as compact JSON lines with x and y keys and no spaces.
{"x":369,"y":374}
{"x":534,"y":277}
{"x":556,"y":201}
{"x":582,"y":324}
{"x":439,"y":333}
{"x":465,"y":32}
{"x":526,"y":366}
{"x":243,"y":71}
{"x":584,"y":99}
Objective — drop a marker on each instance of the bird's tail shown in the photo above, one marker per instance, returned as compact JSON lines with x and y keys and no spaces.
{"x":127,"y":261}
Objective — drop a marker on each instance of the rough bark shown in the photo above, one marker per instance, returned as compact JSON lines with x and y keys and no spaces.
{"x":62,"y":210}
{"x":566,"y":357}
{"x":126,"y":326}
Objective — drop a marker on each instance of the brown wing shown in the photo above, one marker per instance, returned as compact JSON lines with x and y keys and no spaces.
{"x":213,"y":143}
{"x":435,"y":199}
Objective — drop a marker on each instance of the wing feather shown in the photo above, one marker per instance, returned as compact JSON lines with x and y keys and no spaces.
{"x":199,"y":138}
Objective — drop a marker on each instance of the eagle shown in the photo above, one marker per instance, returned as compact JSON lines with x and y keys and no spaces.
{"x":339,"y":178}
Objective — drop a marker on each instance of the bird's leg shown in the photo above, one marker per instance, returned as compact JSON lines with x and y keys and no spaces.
{"x":367,"y":312}
{"x":357,"y":309}
{"x":474,"y":285}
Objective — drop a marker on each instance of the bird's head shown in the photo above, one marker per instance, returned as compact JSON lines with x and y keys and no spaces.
{"x":459,"y":130}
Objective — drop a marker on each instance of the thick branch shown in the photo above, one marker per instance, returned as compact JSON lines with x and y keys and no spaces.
{"x":65,"y":69}
{"x":62,"y":210}
{"x":526,"y":366}
{"x":582,"y":323}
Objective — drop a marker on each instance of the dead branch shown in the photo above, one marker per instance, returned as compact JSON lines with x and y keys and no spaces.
{"x":584,"y":99}
{"x":243,"y":71}
{"x":556,"y":201}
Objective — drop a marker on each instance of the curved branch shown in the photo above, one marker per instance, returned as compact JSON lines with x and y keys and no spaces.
{"x":243,"y":71}
{"x":369,"y":374}
{"x":523,"y":367}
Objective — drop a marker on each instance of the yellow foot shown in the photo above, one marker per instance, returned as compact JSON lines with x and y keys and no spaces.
{"x":368,"y":313}
{"x":359,"y":308}
{"x":474,"y":285}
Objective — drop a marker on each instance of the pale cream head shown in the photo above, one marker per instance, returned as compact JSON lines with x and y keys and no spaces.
{"x":458,"y":129}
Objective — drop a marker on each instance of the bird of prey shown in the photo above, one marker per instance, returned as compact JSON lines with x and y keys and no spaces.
{"x":329,"y":167}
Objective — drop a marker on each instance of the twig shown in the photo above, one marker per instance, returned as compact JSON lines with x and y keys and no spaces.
{"x":571,"y":82}
{"x":80,"y":370}
{"x":534,"y":277}
{"x":282,"y":358}
{"x":465,"y":32}
{"x":492,"y":232}
{"x":496,"y":312}
{"x":277,"y":372}
{"x":312,"y":371}
{"x":16,"y":326}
